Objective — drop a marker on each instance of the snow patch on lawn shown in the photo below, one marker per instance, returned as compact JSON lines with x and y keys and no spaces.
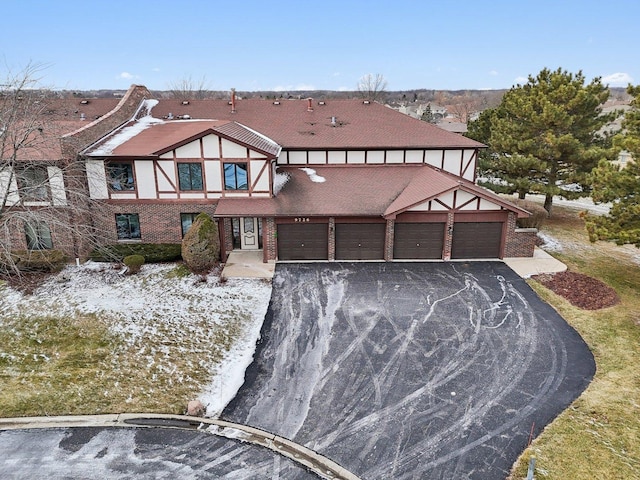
{"x":550,"y":244}
{"x":168,"y":320}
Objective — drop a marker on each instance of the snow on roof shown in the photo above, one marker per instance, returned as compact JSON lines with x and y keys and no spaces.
{"x":125,"y":133}
{"x":313,"y":176}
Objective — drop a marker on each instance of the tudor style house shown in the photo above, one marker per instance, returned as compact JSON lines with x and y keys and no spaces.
{"x":299,"y":180}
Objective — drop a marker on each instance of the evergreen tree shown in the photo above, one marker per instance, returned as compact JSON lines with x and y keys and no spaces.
{"x":201,"y":245}
{"x":545,"y":136}
{"x":427,"y":115}
{"x":620,"y":186}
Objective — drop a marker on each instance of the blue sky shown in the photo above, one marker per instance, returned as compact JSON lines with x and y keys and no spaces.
{"x":293,"y":45}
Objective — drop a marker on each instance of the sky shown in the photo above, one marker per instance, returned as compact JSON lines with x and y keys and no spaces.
{"x":311,"y":45}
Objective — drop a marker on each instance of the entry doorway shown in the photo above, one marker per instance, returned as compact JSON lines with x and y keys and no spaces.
{"x":247,"y":233}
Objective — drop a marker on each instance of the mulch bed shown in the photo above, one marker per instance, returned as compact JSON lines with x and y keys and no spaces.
{"x":580,"y":290}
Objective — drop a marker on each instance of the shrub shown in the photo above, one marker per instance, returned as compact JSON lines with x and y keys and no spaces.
{"x":39,"y":260}
{"x":538,"y":214}
{"x":201,"y":245}
{"x":152,"y":252}
{"x":133,"y":263}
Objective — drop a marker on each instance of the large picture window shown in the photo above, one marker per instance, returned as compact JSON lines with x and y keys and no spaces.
{"x":33,"y":183}
{"x":128,"y":226}
{"x":38,"y":236}
{"x":190,"y":176}
{"x":235,"y":176}
{"x":120,"y":176}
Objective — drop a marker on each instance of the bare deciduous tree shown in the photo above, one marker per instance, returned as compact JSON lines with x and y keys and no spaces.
{"x":189,"y":89}
{"x":372,"y":87}
{"x":464,"y":106}
{"x":43,"y":198}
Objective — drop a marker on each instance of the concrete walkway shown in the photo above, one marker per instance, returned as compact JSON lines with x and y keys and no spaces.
{"x":541,"y":262}
{"x":249,"y":264}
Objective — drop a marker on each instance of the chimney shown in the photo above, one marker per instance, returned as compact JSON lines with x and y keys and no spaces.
{"x":233,"y":100}
{"x":309,"y":104}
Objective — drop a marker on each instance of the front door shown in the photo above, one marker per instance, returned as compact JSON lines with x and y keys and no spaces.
{"x":249,"y":239}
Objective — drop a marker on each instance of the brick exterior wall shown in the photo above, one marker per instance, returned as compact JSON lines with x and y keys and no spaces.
{"x":159,"y":222}
{"x":269,"y":241}
{"x":332,"y":240}
{"x":389,"y":240}
{"x":62,"y":234}
{"x":521,"y":242}
{"x":448,"y":239}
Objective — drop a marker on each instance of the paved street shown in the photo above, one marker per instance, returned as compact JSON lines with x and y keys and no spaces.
{"x":411,"y":370}
{"x":117,"y":453}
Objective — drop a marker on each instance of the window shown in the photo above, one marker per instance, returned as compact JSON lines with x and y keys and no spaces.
{"x":128,"y":226}
{"x":186,"y":220}
{"x":33,"y":183}
{"x":235,"y":176}
{"x":121,"y":176}
{"x":38,"y":236}
{"x":190,"y":176}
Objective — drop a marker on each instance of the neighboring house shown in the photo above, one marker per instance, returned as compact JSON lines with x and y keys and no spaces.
{"x":455,"y":127}
{"x":42,"y":187}
{"x":300,"y":180}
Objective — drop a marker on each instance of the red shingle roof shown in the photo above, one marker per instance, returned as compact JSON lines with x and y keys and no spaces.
{"x":290,"y":124}
{"x":147,"y":139}
{"x":355,"y":191}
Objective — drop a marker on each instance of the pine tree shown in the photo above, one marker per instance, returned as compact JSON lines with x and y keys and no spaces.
{"x":620,"y":186}
{"x":546,"y":136}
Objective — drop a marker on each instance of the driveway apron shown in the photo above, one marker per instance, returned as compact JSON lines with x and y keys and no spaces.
{"x":411,"y":370}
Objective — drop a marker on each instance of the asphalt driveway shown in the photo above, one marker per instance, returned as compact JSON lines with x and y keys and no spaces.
{"x":411,"y":370}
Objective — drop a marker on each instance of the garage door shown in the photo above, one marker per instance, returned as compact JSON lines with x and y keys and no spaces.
{"x":303,"y":241}
{"x":476,"y":240}
{"x":360,"y":241}
{"x":418,"y":240}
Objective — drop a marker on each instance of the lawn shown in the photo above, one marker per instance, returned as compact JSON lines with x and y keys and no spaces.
{"x":92,"y":340}
{"x":598,"y":437}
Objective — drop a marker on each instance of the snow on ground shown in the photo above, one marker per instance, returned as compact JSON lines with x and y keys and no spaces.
{"x":161,"y":314}
{"x":584,"y":203}
{"x":550,"y":244}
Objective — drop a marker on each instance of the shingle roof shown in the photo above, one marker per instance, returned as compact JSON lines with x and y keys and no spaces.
{"x":146,"y":138}
{"x":354,"y":191}
{"x":290,"y":124}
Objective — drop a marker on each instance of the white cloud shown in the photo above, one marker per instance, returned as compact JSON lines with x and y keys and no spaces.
{"x":521,"y":80}
{"x":493,"y":73}
{"x":125,"y":76}
{"x":617,"y":79}
{"x":300,"y":86}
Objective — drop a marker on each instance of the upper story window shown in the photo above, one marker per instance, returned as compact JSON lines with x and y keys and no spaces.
{"x":190,"y":176}
{"x":33,"y":183}
{"x":120,"y":176}
{"x":38,"y":236}
{"x":235,"y":176}
{"x":128,"y":226}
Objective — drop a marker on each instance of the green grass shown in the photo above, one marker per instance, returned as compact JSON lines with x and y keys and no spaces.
{"x":52,"y":365}
{"x":598,"y":437}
